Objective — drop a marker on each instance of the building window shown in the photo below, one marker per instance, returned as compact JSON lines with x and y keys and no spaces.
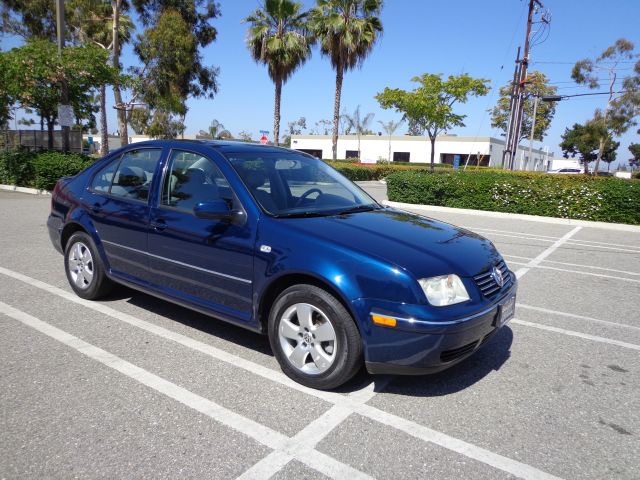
{"x":315,"y":153}
{"x":351,"y":154}
{"x":401,"y":156}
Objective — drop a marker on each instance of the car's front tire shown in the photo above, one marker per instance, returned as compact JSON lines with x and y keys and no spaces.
{"x":84,"y":268}
{"x":314,"y":338}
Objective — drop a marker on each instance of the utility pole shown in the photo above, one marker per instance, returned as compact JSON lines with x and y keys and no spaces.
{"x":64,"y":117}
{"x":519,"y":93}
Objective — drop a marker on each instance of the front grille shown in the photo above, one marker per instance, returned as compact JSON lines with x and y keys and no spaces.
{"x":487,"y":284}
{"x":451,"y":355}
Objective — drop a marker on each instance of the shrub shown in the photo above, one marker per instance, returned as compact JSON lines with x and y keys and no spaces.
{"x":534,"y":193}
{"x":377,"y":171}
{"x":16,"y":167}
{"x":51,"y":166}
{"x":39,"y":170}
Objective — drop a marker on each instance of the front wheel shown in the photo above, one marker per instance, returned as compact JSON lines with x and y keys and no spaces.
{"x":84,"y":269}
{"x":314,"y":338}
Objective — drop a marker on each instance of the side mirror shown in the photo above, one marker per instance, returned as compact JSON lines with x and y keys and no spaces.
{"x":213,"y":210}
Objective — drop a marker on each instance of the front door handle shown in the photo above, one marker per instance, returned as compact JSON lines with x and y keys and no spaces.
{"x":158,"y":225}
{"x":96,"y":208}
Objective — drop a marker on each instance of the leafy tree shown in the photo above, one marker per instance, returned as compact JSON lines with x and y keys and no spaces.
{"x":347,"y":31}
{"x":278,"y":38}
{"x":621,"y":108}
{"x":106,"y":25}
{"x":29,"y":19}
{"x":321,"y":126}
{"x":164,"y":125}
{"x":390,"y":128}
{"x":538,"y":86}
{"x":430,"y":105}
{"x":634,"y":161}
{"x":169,"y":50}
{"x":359,"y":124}
{"x":35,"y":71}
{"x":139,"y":119}
{"x":245,"y":136}
{"x":294,"y":128}
{"x":583,"y":141}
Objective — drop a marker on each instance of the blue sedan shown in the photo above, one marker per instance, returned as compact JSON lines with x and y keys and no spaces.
{"x":280,"y":243}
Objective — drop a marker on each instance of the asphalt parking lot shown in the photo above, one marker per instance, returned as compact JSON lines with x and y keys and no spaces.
{"x":134,"y":387}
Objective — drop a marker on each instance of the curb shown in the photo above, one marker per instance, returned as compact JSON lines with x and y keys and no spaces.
{"x":516,"y":216}
{"x":31,"y":191}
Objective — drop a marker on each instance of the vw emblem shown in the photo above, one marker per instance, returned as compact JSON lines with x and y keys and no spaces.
{"x":497,"y":276}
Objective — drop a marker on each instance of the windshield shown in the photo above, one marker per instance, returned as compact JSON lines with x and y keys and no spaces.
{"x":286,"y":184}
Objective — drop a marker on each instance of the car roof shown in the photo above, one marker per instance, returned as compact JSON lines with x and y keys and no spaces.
{"x":225,"y":146}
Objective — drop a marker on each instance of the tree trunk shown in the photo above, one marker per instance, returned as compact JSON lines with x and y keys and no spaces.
{"x":600,"y":151}
{"x":117,"y":94}
{"x":336,"y":110}
{"x":433,"y":152}
{"x":104,"y":132}
{"x":276,"y":113}
{"x":50,"y":123}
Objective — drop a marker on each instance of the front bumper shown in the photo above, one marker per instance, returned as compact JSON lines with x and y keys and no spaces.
{"x":416,"y":347}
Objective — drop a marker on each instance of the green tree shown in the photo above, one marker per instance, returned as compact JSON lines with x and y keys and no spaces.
{"x":537,"y":86}
{"x":278,"y":38}
{"x":294,"y":128}
{"x":583,"y":141}
{"x":430,"y":105}
{"x":390,"y":128}
{"x":347,"y":31}
{"x":169,"y":49}
{"x":634,"y":161}
{"x":621,"y":108}
{"x":359,"y":124}
{"x":35,"y":71}
{"x":217,"y":130}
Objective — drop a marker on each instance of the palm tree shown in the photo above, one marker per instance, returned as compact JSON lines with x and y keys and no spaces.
{"x":358,"y":123}
{"x":390,"y":128}
{"x":278,"y":38}
{"x":347,"y":31}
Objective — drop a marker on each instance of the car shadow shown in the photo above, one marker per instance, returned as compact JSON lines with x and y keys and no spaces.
{"x":487,"y":359}
{"x":190,"y":318}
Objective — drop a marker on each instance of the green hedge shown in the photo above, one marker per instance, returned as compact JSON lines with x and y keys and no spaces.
{"x":39,"y":169}
{"x":377,"y":171}
{"x":567,"y":196}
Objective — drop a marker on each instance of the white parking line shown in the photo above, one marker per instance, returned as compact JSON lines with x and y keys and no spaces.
{"x":506,"y":464}
{"x":580,"y":272}
{"x":313,"y":434}
{"x":572,"y":333}
{"x":557,"y":244}
{"x":577,"y":317}
{"x":261,"y":433}
{"x":577,"y":243}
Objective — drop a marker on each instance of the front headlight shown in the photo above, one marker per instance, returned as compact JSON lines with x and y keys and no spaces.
{"x":444,"y":290}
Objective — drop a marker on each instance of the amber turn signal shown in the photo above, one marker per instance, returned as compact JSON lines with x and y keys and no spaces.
{"x":386,"y":321}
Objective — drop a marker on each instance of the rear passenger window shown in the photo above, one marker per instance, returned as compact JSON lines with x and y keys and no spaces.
{"x":135,"y":173}
{"x":102,"y":181}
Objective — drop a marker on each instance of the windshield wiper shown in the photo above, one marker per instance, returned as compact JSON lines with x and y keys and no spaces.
{"x":359,"y":208}
{"x":302,"y":214}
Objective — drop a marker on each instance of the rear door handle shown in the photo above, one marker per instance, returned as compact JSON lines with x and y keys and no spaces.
{"x":158,"y":224}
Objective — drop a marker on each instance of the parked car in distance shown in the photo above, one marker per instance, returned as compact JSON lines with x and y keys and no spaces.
{"x":566,"y":171}
{"x":280,"y":243}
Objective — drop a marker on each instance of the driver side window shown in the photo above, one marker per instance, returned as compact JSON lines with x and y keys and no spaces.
{"x":191,"y":179}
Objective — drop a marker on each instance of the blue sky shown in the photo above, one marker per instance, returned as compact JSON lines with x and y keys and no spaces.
{"x":420,"y":36}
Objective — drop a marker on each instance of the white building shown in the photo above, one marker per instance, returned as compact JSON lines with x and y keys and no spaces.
{"x":485,"y":151}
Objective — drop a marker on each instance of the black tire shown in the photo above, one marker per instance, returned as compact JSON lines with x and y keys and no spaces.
{"x":100,"y":285}
{"x":348,"y":353}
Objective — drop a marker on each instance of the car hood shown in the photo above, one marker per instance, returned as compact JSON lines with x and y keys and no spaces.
{"x":420,"y":245}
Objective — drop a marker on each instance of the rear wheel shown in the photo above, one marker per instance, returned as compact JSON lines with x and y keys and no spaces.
{"x":84,"y":268}
{"x":314,"y":338}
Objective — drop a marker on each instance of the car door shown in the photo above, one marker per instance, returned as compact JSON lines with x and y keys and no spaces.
{"x":118,"y":204}
{"x":208,"y":263}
